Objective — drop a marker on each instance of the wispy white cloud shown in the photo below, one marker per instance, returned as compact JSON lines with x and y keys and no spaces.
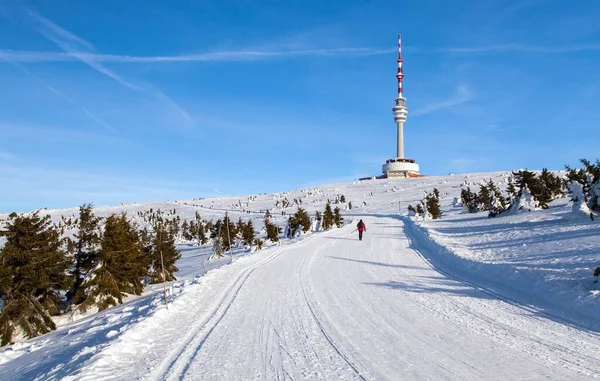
{"x":463,"y":95}
{"x":521,"y":48}
{"x":87,"y":112}
{"x":82,"y":50}
{"x":232,"y":55}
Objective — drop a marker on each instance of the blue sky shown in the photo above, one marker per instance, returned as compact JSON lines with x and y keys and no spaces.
{"x":120,"y":101}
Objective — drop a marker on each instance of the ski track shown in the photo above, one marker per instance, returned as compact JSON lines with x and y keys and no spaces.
{"x":333,"y":307}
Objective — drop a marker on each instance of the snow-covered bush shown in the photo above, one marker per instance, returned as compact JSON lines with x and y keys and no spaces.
{"x":525,"y":203}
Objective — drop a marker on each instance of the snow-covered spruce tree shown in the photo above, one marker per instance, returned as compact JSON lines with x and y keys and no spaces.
{"x":229,"y":232}
{"x":350,"y":205}
{"x":470,"y":200}
{"x":33,"y":272}
{"x":272,"y":230}
{"x":185,"y":231}
{"x":88,"y":240}
{"x":328,"y":218}
{"x":534,"y":185}
{"x":496,"y":204}
{"x":483,"y":198}
{"x":432,"y":203}
{"x":201,"y":232}
{"x":525,"y":203}
{"x":554,"y":185}
{"x":343,"y":199}
{"x":338,"y":220}
{"x":121,"y":268}
{"x":512,"y":192}
{"x":596,"y":274}
{"x":589,"y":178}
{"x":248,"y":233}
{"x":217,"y":237}
{"x":163,"y":255}
{"x":420,"y":210}
{"x":580,"y":208}
{"x":303,"y":219}
{"x":291,"y":227}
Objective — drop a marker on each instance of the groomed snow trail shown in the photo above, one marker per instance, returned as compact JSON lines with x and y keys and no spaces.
{"x":332,"y":307}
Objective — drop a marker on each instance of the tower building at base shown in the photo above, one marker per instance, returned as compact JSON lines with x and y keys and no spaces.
{"x":400,"y":166}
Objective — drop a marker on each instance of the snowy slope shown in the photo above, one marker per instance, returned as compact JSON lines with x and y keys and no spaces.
{"x":465,"y":297}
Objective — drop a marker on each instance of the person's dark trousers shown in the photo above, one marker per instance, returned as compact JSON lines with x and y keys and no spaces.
{"x":360,"y":235}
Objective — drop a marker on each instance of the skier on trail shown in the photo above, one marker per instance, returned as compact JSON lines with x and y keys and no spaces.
{"x":361,"y":227}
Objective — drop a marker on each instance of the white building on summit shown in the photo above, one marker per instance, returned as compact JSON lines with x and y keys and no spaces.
{"x":400,"y":166}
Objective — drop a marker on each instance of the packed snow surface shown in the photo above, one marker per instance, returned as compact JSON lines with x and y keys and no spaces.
{"x":466,"y":297}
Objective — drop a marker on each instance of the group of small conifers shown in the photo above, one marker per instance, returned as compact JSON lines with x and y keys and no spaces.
{"x":44,"y":273}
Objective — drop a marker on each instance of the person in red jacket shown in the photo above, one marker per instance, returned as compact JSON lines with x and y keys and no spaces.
{"x":361,"y":227}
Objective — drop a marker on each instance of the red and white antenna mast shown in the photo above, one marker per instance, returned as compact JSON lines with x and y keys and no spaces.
{"x":400,"y":75}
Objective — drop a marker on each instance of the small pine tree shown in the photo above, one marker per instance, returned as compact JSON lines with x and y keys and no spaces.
{"x":484,"y":198}
{"x":432,"y":203}
{"x":122,"y":265}
{"x":258,"y":243}
{"x":229,"y":233}
{"x":272,"y":230}
{"x":163,"y":254}
{"x":86,"y":255}
{"x":248,"y":233}
{"x":343,"y":199}
{"x":328,"y":217}
{"x":470,"y":200}
{"x":33,"y":271}
{"x":303,"y":219}
{"x":420,"y":210}
{"x":496,"y":204}
{"x":597,"y":274}
{"x":338,"y":220}
{"x":350,"y":205}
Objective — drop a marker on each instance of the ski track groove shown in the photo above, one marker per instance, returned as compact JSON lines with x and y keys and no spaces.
{"x":179,"y":359}
{"x":320,"y":324}
{"x":358,"y":301}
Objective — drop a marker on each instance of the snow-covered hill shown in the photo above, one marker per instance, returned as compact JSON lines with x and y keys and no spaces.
{"x":518,"y":288}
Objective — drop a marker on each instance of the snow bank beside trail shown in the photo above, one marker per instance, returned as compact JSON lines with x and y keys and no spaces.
{"x":522,"y":258}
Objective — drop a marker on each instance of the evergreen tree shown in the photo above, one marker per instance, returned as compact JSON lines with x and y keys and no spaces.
{"x":164,"y":255}
{"x":420,"y":210}
{"x":248,"y":233}
{"x":484,"y":198}
{"x":589,"y":178}
{"x":535,"y":185}
{"x":185,"y":231}
{"x":272,"y":230}
{"x":343,"y":199}
{"x":470,"y":200}
{"x":228,"y":232}
{"x":303,"y":219}
{"x":350,"y":205}
{"x":496,"y":204}
{"x":338,"y":220}
{"x":318,"y":216}
{"x":552,"y":183}
{"x":513,"y":192}
{"x":121,"y":266}
{"x":328,"y":217}
{"x":432,"y":203}
{"x":33,"y":271}
{"x":291,"y":227}
{"x":88,"y":246}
